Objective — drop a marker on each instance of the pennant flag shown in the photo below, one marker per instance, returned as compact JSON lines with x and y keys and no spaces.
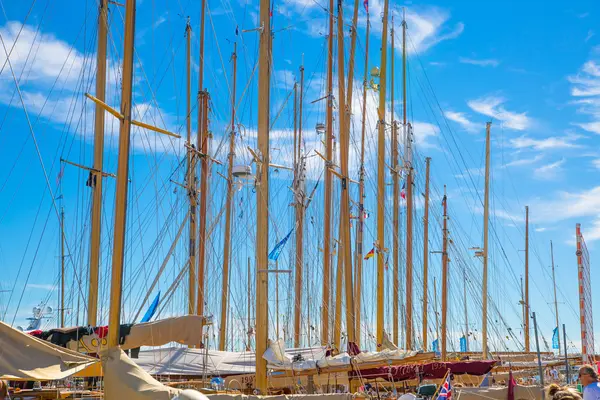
{"x":274,"y":254}
{"x":436,"y":346}
{"x":366,"y":4}
{"x":511,"y":386}
{"x":555,"y":339}
{"x":237,"y":30}
{"x":443,"y":200}
{"x":463,"y":344}
{"x":486,"y":381}
{"x":370,"y":254}
{"x":150,"y":313}
{"x":446,"y":389}
{"x":403,"y":192}
{"x":60,"y":174}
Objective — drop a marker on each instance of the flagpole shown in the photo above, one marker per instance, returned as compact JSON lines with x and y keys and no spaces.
{"x":440,"y":386}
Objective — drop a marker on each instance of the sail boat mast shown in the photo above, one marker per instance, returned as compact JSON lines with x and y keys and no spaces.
{"x":262,"y":197}
{"x":445,"y":276}
{"x":202,"y":146}
{"x":96,"y":173}
{"x":191,"y":175}
{"x":62,"y":267}
{"x":465,"y":307}
{"x":486,"y":212}
{"x":555,"y":298}
{"x":426,"y":251}
{"x":227,"y":238}
{"x":526,"y":327}
{"x":328,"y":187}
{"x":381,"y":179}
{"x":299,"y":206}
{"x":361,"y":196}
{"x":396,"y":203}
{"x":409,"y":201}
{"x":114,"y":318}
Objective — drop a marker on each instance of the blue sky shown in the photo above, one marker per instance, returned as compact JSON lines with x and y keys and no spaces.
{"x":537,"y":79}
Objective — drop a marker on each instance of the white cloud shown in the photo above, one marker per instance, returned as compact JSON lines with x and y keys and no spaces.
{"x":589,"y":35}
{"x":42,"y":286}
{"x":549,"y":171}
{"x":549,"y":143}
{"x":486,"y":62}
{"x":585,"y":89}
{"x":284,"y":79}
{"x":423,"y":131}
{"x":524,"y":161}
{"x":463,"y":121}
{"x":596,"y":163}
{"x":593,"y":127}
{"x":492,"y":106}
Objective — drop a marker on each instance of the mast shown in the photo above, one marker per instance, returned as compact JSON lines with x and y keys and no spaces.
{"x":486,"y":213}
{"x":299,"y":206}
{"x":227,"y":238}
{"x":445,"y":276}
{"x":96,"y":173}
{"x":62,"y":267}
{"x":202,"y":139}
{"x":555,"y":298}
{"x":526,"y":327}
{"x":328,"y":187}
{"x":381,"y":179}
{"x":262,"y":198}
{"x":396,"y":204}
{"x":191,"y":175}
{"x":344,"y":126}
{"x":361,"y":197}
{"x":409,"y":201}
{"x":435,"y":305}
{"x":114,"y":317}
{"x":426,"y":252}
{"x":465,"y":306}
{"x":249,"y":308}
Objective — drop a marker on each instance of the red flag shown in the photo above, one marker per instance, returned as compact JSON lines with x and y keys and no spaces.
{"x":370,"y":254}
{"x":366,"y":4}
{"x":511,"y":386}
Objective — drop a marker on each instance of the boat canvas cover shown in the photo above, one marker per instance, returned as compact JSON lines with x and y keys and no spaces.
{"x":186,"y":329}
{"x":24,"y":357}
{"x":499,"y":393}
{"x":435,"y":370}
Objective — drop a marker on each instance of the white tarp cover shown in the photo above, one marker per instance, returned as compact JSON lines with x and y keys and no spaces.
{"x":25,"y":357}
{"x":186,"y":329}
{"x":333,"y":396}
{"x":499,"y":393}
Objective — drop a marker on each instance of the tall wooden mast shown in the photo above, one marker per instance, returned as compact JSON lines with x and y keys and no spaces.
{"x":555,"y":298}
{"x":62,"y":267}
{"x":444,"y":276}
{"x":465,"y":308}
{"x":191,"y":175}
{"x":526,"y":327}
{"x":227,"y":238}
{"x":381,"y":179}
{"x":396,"y":203}
{"x":361,"y":197}
{"x":299,"y":208}
{"x":409,"y":201}
{"x":325,"y":339}
{"x":262,"y":197}
{"x":114,"y":317}
{"x":426,"y":252}
{"x":96,"y":173}
{"x":202,"y":145}
{"x":486,"y":213}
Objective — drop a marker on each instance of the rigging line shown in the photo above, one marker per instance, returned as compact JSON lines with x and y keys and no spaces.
{"x":20,"y":30}
{"x":37,"y":148}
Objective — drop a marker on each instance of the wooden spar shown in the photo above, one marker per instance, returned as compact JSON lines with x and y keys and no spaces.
{"x":325,"y":339}
{"x":465,"y":307}
{"x":435,"y":306}
{"x":345,"y":248}
{"x":249,"y":309}
{"x":426,"y":251}
{"x":229,"y":200}
{"x":191,"y":176}
{"x":486,"y":213}
{"x":97,"y":176}
{"x":62,"y":267}
{"x":202,"y":139}
{"x":396,"y":204}
{"x":299,"y":206}
{"x":526,"y":299}
{"x":361,"y":197}
{"x":337,"y":317}
{"x":444,"y":276}
{"x":262,"y":198}
{"x":409,"y":201}
{"x":114,"y":317}
{"x":381,"y":180}
{"x":555,"y":298}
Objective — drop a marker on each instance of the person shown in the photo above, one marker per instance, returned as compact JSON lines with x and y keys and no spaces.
{"x":554,"y":374}
{"x":589,"y":380}
{"x":555,"y":392}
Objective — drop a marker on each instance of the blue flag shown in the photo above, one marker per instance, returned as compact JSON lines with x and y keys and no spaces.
{"x":436,"y":346}
{"x":463,"y":344}
{"x":486,"y":381}
{"x":150,"y":313}
{"x":555,"y":338}
{"x":274,"y":254}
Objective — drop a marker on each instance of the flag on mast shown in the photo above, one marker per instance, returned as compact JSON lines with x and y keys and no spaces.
{"x":274,"y":254}
{"x":370,"y":254}
{"x":446,"y":389}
